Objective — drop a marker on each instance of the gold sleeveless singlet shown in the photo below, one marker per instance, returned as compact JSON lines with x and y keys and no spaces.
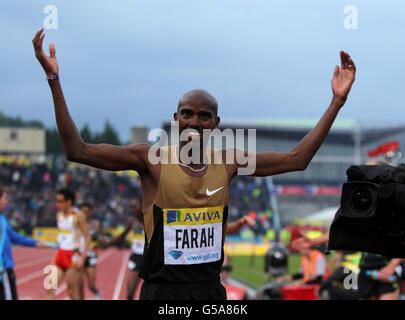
{"x":185,"y":226}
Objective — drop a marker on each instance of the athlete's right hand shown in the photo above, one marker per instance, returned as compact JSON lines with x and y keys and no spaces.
{"x":49,"y":64}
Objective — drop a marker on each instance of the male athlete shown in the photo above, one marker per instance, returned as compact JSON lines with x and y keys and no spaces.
{"x":91,"y":255}
{"x":73,"y":235}
{"x":137,"y":248}
{"x":185,"y":205}
{"x":98,"y":241}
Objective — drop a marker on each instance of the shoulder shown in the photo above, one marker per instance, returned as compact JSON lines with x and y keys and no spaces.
{"x":232,"y":158}
{"x":236,"y":155}
{"x":151,"y":155}
{"x":221,"y":156}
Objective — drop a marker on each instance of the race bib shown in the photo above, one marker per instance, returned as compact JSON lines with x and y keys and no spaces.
{"x":192,"y":236}
{"x":65,"y":239}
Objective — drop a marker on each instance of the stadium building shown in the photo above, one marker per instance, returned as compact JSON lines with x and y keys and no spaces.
{"x":318,"y":187}
{"x":22,"y":140}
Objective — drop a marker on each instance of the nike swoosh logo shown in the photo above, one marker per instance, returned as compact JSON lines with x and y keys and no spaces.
{"x":210,"y":193}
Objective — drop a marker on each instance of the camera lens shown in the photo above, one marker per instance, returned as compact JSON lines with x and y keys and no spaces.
{"x":359,"y":199}
{"x":362,"y":199}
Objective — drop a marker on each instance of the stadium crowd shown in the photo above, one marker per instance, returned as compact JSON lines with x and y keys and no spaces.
{"x":33,"y":181}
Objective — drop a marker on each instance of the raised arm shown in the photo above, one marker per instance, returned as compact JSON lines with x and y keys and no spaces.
{"x":304,"y":242}
{"x":270,"y":163}
{"x":103,"y":156}
{"x":234,"y":227}
{"x":119,"y":238}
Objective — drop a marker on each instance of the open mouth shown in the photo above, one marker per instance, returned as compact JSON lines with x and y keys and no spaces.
{"x":191,"y":135}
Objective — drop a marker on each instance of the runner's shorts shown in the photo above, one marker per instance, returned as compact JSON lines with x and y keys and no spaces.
{"x":91,"y":260}
{"x":64,"y":259}
{"x":179,"y":291}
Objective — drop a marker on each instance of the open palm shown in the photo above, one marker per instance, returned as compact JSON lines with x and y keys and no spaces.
{"x":49,"y":64}
{"x":343,"y":77}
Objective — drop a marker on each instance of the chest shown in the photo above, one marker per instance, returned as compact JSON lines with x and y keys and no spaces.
{"x":66,"y":222}
{"x":179,"y":190}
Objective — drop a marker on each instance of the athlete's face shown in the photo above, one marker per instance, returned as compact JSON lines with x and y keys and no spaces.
{"x":86,"y":211}
{"x":197,"y":111}
{"x":3,"y":200}
{"x":61,"y":203}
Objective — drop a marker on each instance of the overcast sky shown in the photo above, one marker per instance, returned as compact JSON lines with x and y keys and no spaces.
{"x":130,"y":61}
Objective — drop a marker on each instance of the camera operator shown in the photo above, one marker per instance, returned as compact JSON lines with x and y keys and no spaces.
{"x":314,"y":268}
{"x":378,"y":278}
{"x":384,"y":285}
{"x":345,"y":263}
{"x":382,"y":288}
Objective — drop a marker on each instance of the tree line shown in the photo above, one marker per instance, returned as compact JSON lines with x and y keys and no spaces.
{"x":53,"y":142}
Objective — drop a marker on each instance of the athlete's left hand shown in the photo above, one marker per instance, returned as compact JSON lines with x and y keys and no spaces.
{"x":343,"y":77}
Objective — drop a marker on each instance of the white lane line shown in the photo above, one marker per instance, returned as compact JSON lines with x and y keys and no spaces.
{"x":105,"y":255}
{"x":121,"y":275}
{"x":22,"y":257}
{"x":37,"y":274}
{"x":27,"y":264}
{"x":29,"y":277}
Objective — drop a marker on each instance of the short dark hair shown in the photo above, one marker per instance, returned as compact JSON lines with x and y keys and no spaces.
{"x":203,"y":95}
{"x":68,"y":194}
{"x":85,"y":204}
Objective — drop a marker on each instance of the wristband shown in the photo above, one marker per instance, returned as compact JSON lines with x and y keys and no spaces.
{"x":54,"y":76}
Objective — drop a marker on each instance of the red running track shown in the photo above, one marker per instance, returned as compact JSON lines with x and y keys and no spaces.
{"x":111,"y":277}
